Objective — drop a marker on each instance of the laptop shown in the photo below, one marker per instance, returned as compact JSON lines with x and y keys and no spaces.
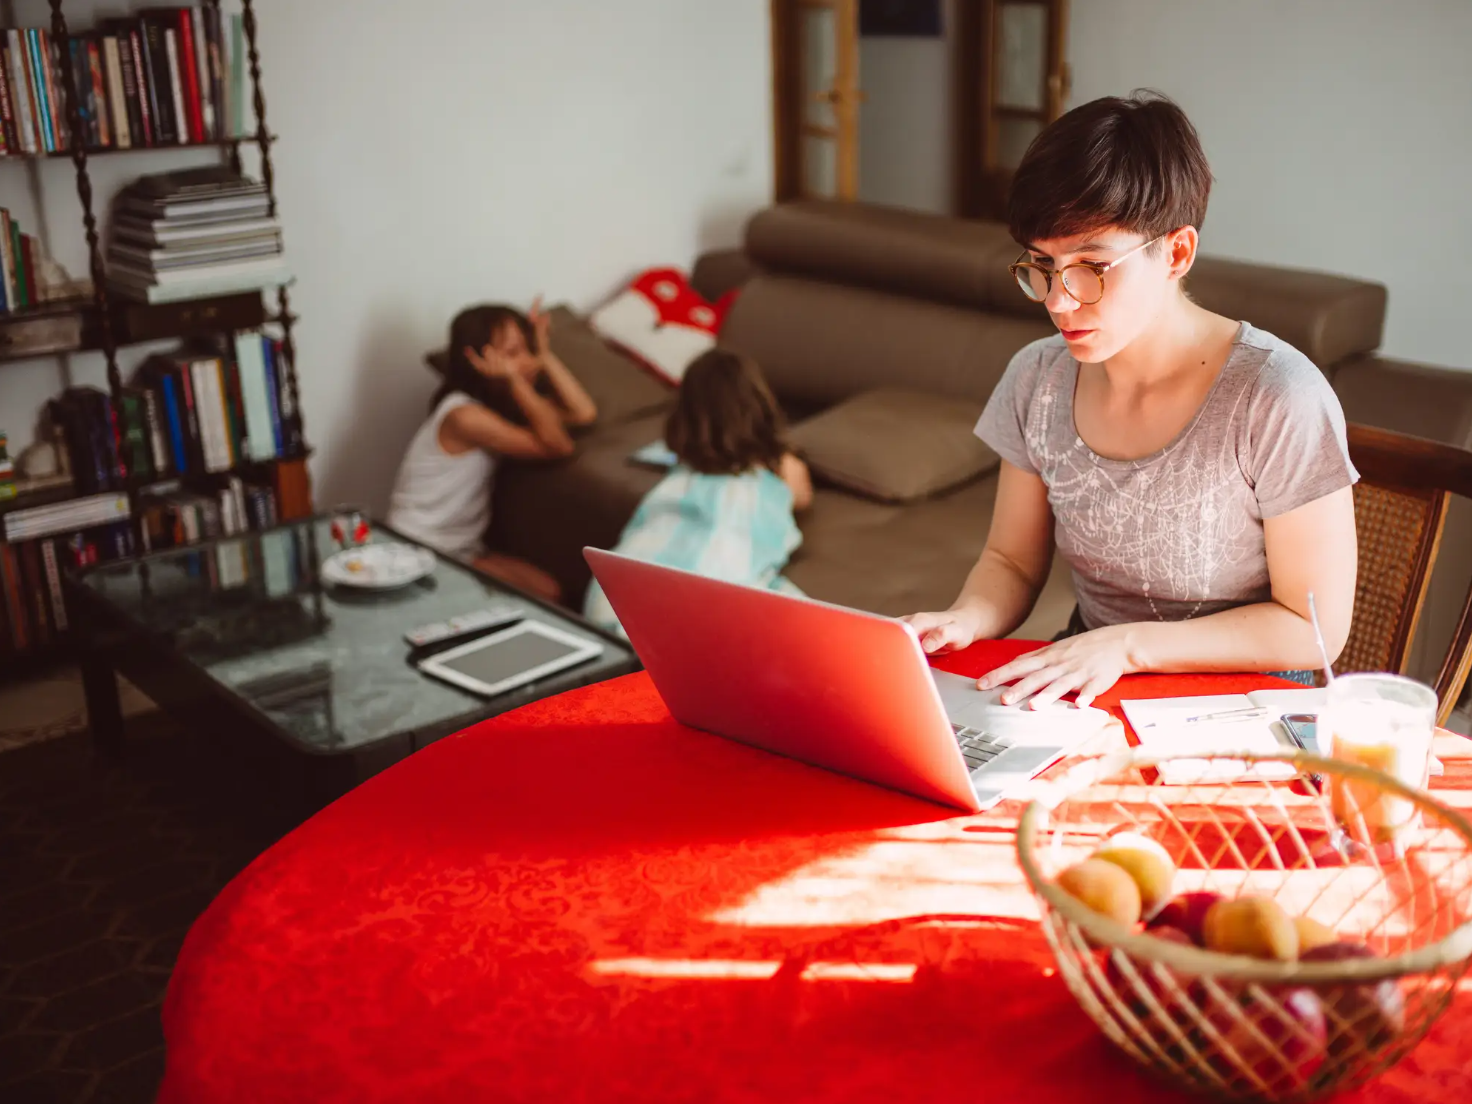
{"x":837,"y":688}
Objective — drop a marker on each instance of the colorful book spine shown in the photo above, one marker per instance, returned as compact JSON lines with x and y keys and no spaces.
{"x":52,"y":567}
{"x":20,"y":91}
{"x":273,"y":392}
{"x":175,"y":416}
{"x":189,"y":74}
{"x":176,"y":86}
{"x":8,"y":102}
{"x":36,"y":57}
{"x":98,"y":90}
{"x":147,"y":108}
{"x":117,"y":99}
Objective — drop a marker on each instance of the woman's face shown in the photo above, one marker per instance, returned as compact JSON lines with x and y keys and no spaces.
{"x":1135,"y":290}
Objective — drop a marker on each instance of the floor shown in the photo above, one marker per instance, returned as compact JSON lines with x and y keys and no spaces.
{"x":103,"y":867}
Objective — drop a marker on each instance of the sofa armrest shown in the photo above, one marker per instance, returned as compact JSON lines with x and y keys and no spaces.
{"x":1419,"y":399}
{"x":720,"y":270}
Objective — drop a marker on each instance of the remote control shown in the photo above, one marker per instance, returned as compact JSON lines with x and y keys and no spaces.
{"x":498,"y":613}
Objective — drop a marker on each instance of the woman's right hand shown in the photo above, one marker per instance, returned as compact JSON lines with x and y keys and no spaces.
{"x":939,"y":633}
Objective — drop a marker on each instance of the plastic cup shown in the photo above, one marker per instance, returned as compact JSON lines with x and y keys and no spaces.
{"x":1384,"y":722}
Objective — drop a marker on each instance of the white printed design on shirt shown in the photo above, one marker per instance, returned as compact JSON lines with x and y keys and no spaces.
{"x":1165,"y":527}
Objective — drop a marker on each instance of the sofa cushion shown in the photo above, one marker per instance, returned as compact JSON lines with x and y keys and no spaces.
{"x":820,"y":343}
{"x":896,"y":445}
{"x":619,"y":386}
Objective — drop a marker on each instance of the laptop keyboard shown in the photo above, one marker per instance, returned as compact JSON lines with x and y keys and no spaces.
{"x":978,"y":748}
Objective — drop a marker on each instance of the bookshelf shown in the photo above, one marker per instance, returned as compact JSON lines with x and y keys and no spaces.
{"x":105,"y":323}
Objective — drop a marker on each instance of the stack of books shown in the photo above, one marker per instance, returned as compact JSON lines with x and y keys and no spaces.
{"x":172,"y":76}
{"x":192,"y":234}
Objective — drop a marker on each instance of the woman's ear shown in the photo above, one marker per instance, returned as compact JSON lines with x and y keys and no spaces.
{"x":1180,"y":247}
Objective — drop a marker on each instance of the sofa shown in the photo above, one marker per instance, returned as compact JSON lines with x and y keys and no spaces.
{"x":838,"y":299}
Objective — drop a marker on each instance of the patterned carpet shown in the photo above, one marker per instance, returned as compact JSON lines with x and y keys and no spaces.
{"x":103,"y":867}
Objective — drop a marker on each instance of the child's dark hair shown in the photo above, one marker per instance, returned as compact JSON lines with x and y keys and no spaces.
{"x":476,"y":327}
{"x":1135,"y":163}
{"x":726,"y":420}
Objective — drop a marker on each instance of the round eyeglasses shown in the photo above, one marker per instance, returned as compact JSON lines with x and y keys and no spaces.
{"x":1083,"y":280}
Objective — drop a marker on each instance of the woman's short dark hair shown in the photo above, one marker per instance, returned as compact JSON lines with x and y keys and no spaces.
{"x":726,"y":420}
{"x":1133,"y":162}
{"x":476,"y":327}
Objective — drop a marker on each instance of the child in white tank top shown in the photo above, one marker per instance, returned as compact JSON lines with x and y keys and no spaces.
{"x":489,"y":406}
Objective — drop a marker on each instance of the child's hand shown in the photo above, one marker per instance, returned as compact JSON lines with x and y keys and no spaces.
{"x":492,"y":363}
{"x":541,"y":325}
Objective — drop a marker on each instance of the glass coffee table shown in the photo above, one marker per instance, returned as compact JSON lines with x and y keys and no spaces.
{"x":241,"y":639}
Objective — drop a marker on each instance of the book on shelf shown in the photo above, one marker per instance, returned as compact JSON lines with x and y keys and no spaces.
{"x":168,"y":76}
{"x":29,"y":278}
{"x":198,"y":411}
{"x":165,"y":77}
{"x":33,"y":613}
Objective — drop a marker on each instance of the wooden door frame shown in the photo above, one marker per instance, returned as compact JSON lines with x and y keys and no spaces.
{"x":978,"y":191}
{"x":788,"y":123}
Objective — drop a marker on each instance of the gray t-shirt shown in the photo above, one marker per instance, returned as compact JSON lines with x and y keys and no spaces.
{"x":1178,"y":533}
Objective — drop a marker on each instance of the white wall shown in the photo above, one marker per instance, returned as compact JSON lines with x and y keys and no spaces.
{"x":446,"y":152}
{"x":1339,"y":133}
{"x":905,"y":128}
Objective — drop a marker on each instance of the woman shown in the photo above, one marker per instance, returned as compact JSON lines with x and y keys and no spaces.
{"x":490,"y":406}
{"x":1192,"y":469}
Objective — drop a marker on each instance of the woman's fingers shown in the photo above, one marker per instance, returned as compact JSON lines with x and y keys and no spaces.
{"x":1026,"y":687}
{"x":1092,"y":689}
{"x":1022,"y":665}
{"x":942,"y":638}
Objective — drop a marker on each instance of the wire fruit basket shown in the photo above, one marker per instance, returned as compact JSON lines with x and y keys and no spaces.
{"x":1378,"y":915}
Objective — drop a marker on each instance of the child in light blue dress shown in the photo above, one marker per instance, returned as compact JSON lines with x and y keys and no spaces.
{"x":725,"y":510}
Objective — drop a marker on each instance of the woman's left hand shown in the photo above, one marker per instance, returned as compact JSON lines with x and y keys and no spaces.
{"x":1090,"y":663}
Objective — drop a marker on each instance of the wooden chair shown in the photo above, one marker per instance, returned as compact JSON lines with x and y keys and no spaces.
{"x":1400,"y":507}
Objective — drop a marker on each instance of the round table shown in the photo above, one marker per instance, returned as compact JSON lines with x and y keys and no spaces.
{"x":586,"y":901}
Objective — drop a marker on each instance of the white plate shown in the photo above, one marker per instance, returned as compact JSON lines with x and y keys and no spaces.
{"x":378,"y":566}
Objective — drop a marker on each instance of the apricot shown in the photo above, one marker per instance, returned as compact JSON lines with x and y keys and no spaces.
{"x":1148,"y":863}
{"x":1254,"y":926}
{"x":1312,"y":934}
{"x":1103,"y":887}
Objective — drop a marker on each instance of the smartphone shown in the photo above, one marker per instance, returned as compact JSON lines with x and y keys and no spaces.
{"x":1304,"y":730}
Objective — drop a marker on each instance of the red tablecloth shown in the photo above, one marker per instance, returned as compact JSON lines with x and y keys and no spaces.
{"x":585,"y":901}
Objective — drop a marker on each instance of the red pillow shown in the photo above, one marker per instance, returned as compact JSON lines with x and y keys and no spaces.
{"x":662,"y":321}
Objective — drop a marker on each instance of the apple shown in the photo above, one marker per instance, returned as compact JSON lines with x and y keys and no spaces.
{"x":1129,"y":991}
{"x":1292,"y":1043}
{"x":1369,"y":1014}
{"x":1187,"y":913}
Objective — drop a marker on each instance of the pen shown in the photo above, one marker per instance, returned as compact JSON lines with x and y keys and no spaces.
{"x":1251,"y":713}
